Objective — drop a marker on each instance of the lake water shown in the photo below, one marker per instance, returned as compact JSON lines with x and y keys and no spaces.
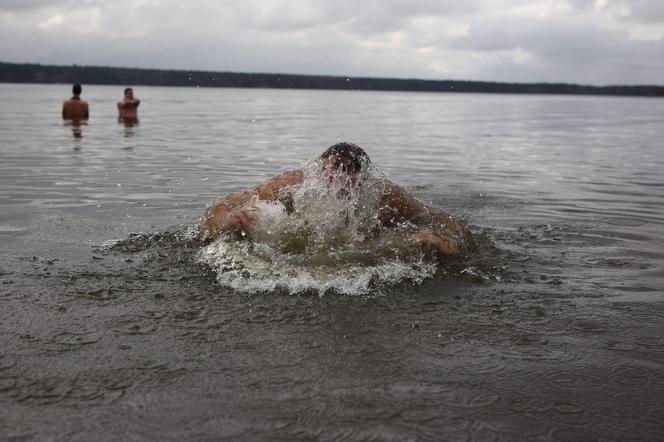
{"x":111,"y":328}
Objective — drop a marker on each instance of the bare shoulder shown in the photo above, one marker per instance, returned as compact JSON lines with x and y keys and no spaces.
{"x":396,"y":204}
{"x":399,"y":198}
{"x":272,"y":188}
{"x":399,"y":205}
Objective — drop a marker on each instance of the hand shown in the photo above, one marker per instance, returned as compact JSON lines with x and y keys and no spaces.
{"x":241,"y":218}
{"x":443,"y":244}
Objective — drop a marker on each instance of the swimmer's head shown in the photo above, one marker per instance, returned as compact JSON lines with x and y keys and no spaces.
{"x":346,"y":157}
{"x":76,"y":90}
{"x":341,"y":164}
{"x":129,"y":93}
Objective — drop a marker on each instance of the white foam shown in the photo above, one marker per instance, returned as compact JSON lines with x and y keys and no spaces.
{"x":249,"y":268}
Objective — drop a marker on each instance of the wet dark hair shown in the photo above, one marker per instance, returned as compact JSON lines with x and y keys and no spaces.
{"x":128,"y":89}
{"x":76,"y":90}
{"x":349,"y":151}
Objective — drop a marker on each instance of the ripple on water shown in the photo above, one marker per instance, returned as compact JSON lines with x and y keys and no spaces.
{"x":524,"y":426}
{"x":628,"y":374}
{"x":445,"y":423}
{"x":527,"y":403}
{"x":135,"y":326}
{"x":7,"y":362}
{"x":579,"y":379}
{"x":570,"y":413}
{"x":68,"y":340}
{"x":146,"y":417}
{"x":61,"y":390}
{"x":67,"y":386}
{"x":596,"y":323}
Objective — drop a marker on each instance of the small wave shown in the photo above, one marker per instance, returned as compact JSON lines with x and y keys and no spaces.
{"x":136,"y":242}
{"x":254,"y":267}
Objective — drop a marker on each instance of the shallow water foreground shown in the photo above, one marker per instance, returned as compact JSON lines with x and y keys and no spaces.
{"x":112,"y":330}
{"x":136,"y":344}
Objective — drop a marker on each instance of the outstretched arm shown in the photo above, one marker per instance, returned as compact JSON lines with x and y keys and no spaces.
{"x":231,"y":212}
{"x":437,"y":230}
{"x":237,"y":212}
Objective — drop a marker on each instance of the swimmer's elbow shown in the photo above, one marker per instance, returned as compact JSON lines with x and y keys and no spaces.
{"x":209,"y":227}
{"x":205,"y":229}
{"x":450,"y":249}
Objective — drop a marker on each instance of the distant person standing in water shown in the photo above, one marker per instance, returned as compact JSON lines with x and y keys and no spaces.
{"x":128,"y":107}
{"x":75,"y":108}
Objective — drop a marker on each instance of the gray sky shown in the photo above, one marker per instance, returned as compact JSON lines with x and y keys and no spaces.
{"x":576,"y":41}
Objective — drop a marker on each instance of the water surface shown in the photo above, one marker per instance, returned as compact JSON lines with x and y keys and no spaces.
{"x":112,"y":330}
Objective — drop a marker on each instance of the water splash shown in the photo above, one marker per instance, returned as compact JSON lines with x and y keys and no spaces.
{"x":324,"y":235}
{"x":256,"y":267}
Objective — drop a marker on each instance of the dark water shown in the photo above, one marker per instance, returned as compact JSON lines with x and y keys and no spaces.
{"x":111,"y":330}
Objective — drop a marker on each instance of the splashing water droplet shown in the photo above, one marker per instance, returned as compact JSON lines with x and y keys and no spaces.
{"x":327,"y":238}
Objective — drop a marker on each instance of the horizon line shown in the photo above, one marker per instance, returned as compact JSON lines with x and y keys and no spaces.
{"x":356,"y":77}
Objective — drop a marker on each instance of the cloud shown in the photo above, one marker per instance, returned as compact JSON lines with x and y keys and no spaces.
{"x":636,"y":11}
{"x":23,"y":5}
{"x":646,"y":11}
{"x":586,"y":41}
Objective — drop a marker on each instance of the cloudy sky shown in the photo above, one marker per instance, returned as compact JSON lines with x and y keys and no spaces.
{"x":577,"y":41}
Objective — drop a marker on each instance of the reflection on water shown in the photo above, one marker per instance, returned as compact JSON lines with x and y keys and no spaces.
{"x":128,"y":123}
{"x":77,"y":132}
{"x":76,"y":129}
{"x":129,"y":130}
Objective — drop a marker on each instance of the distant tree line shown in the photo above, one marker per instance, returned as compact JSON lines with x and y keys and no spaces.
{"x":37,"y":73}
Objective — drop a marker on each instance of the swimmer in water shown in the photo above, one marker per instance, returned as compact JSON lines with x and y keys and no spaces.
{"x":339,"y":167}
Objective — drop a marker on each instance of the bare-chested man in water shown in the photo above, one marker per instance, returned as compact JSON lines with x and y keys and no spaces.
{"x":434,"y":229}
{"x":128,"y":107}
{"x":75,"y":108}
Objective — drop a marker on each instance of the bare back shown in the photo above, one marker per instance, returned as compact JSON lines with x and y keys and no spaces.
{"x":75,"y":109}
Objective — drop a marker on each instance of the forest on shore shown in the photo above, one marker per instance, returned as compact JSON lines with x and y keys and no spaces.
{"x":38,"y":73}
